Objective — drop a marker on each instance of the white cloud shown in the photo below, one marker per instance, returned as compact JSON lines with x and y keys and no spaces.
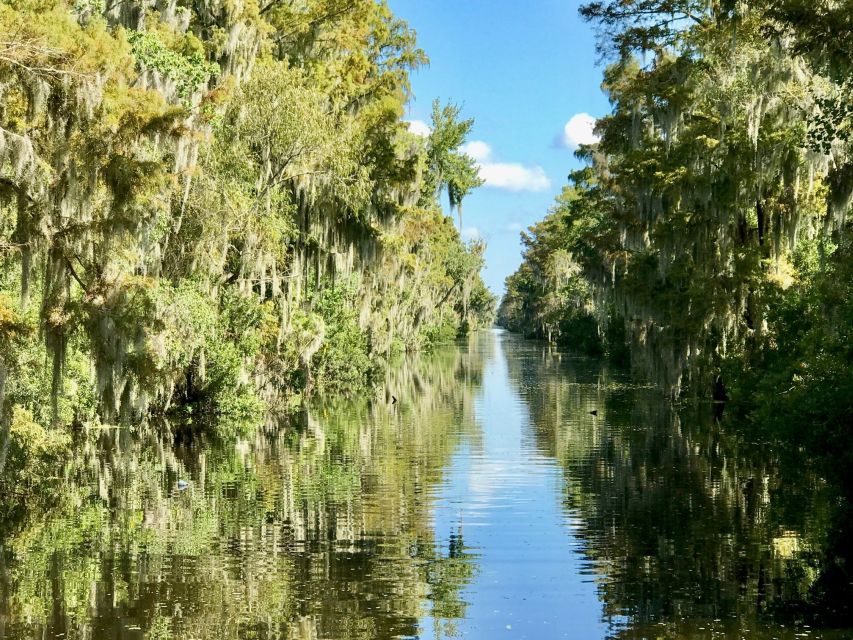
{"x":515,"y":226}
{"x":419,"y":128}
{"x":579,"y":130}
{"x":514,"y":177}
{"x":471,"y":233}
{"x":478,"y":150}
{"x":505,"y":175}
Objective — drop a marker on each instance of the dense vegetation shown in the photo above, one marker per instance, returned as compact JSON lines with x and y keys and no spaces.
{"x":215,"y":208}
{"x":709,"y":228}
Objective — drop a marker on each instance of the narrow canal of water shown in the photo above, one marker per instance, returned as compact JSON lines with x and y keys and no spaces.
{"x":511,"y":492}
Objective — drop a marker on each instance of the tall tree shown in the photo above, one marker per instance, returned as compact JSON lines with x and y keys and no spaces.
{"x":448,"y":168}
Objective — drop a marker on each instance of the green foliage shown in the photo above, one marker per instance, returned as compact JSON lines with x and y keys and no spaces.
{"x":481,"y":303}
{"x":208,"y":214}
{"x":549,"y":297}
{"x":34,"y":455}
{"x":722,"y":162}
{"x":344,"y":361}
{"x":708,"y":236}
{"x":449,"y":168}
{"x":797,"y":384}
{"x":188,"y":69}
{"x":440,"y":333}
{"x":86,"y":8}
{"x":207,"y":349}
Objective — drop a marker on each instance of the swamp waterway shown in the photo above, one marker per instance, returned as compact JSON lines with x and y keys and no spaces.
{"x":488,"y":502}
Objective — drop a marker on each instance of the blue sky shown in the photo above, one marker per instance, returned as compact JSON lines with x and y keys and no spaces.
{"x":522,"y":70}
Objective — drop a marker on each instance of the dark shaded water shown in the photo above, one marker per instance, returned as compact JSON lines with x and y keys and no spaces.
{"x":488,"y":503}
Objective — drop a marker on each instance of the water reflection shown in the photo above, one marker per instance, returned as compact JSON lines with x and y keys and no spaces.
{"x":317,"y":532}
{"x":690,"y":532}
{"x":488,"y":502}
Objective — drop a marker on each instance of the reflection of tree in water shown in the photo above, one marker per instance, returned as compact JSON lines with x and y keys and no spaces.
{"x":320,"y":531}
{"x":687,"y":528}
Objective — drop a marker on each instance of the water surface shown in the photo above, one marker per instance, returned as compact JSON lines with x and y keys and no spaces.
{"x":489,"y":502}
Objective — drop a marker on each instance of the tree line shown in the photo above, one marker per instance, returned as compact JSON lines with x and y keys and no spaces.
{"x":707,"y":237}
{"x":216,"y":209}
